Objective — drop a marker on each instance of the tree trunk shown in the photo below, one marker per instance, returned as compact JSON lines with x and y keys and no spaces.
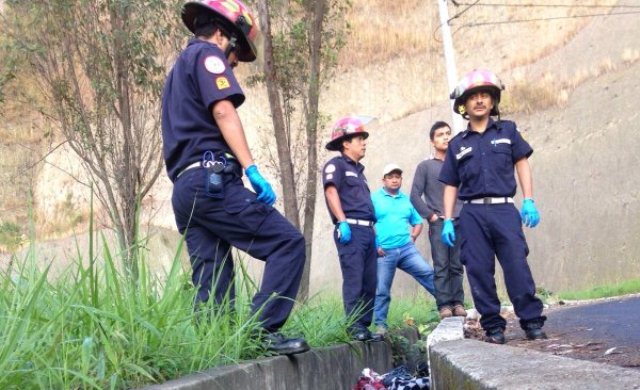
{"x":127,"y":170}
{"x":290,"y":201}
{"x":316,"y":11}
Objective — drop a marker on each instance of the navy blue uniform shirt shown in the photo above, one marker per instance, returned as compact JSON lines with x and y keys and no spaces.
{"x":200,"y":77}
{"x":348,"y":178}
{"x":482,"y":164}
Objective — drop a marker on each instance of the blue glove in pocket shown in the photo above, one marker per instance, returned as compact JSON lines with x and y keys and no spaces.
{"x":260,"y":185}
{"x":344,"y":232}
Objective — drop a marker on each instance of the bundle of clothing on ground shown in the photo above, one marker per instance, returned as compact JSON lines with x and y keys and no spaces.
{"x":397,"y":379}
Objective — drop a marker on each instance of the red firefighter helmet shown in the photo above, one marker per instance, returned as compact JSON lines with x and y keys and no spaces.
{"x":477,"y":79}
{"x":233,"y":16}
{"x":346,"y":127}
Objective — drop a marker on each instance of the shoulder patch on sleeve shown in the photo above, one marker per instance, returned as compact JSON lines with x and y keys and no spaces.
{"x":214,"y":65}
{"x":222,"y":83}
{"x":330,"y":168}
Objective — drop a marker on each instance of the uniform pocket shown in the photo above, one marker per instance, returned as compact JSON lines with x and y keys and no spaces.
{"x":502,"y":159}
{"x":353,"y":181}
{"x":502,"y":150}
{"x":346,"y":251}
{"x":466,"y":166}
{"x":242,"y":206}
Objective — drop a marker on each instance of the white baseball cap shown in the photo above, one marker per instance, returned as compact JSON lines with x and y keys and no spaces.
{"x":390,"y":168}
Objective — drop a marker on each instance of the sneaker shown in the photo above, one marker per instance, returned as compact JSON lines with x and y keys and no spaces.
{"x":495,"y":336}
{"x":445,"y":312}
{"x":534,"y":331}
{"x":459,"y":311}
{"x":381,"y":330}
{"x":376,"y":337}
{"x":279,"y":344}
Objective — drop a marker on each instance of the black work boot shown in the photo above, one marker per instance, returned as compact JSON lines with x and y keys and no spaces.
{"x":365,"y":335}
{"x":534,"y":331}
{"x":495,"y":336}
{"x":360,"y":334}
{"x":277,"y":343}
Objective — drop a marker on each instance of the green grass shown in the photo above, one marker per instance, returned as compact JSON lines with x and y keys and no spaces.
{"x":91,"y":327}
{"x":612,"y":290}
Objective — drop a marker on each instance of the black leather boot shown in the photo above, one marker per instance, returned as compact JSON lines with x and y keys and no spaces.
{"x":533,"y":331}
{"x":277,"y":343}
{"x":495,"y":336}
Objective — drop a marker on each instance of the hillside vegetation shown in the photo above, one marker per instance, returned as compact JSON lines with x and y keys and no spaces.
{"x":391,"y":67}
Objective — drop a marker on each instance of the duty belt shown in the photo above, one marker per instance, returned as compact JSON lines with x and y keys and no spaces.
{"x":361,"y":222}
{"x":232,"y":166}
{"x":499,"y":200}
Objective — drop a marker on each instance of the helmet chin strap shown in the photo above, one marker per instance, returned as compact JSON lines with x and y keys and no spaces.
{"x":233,"y":42}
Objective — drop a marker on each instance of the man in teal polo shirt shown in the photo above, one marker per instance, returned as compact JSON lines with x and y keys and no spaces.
{"x":398,"y":225}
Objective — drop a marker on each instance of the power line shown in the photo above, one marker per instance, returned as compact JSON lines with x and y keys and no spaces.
{"x":546,"y":5}
{"x":546,"y":19}
{"x":469,"y":6}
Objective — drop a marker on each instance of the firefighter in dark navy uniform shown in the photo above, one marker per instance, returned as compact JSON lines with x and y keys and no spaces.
{"x":349,"y":202}
{"x":479,"y":170}
{"x":205,"y":152}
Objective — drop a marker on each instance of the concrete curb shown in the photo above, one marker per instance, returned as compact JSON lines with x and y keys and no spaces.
{"x":335,"y":367}
{"x":457,"y":363}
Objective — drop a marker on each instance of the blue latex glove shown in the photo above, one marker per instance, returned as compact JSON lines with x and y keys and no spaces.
{"x":344,"y":232}
{"x":448,"y":235}
{"x":529,"y":214}
{"x":260,"y":185}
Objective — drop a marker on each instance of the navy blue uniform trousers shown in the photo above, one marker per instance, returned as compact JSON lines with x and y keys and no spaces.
{"x":358,"y":262}
{"x":213,"y":225}
{"x":496,"y":230}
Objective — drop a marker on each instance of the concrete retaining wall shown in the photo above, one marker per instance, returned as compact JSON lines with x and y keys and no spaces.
{"x":330,"y":368}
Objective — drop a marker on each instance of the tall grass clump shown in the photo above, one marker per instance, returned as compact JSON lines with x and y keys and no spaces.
{"x":92,"y":327}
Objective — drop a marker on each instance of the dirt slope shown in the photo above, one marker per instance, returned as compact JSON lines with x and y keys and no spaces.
{"x":585,"y":150}
{"x":583,"y":164}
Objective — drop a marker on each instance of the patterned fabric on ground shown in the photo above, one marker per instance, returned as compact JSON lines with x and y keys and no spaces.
{"x":401,"y":379}
{"x":411,"y":384}
{"x":369,"y":380}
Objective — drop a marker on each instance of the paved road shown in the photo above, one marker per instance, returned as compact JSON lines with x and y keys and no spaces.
{"x":604,"y":331}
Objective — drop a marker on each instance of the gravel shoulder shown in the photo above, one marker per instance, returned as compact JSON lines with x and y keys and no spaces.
{"x":603,"y":331}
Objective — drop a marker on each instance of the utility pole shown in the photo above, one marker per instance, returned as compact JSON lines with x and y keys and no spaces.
{"x":458,"y":122}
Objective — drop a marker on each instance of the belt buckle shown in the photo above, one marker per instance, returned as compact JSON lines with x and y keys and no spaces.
{"x":487,"y":200}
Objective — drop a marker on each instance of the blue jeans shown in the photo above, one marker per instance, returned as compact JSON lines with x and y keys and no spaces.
{"x":408,"y":259}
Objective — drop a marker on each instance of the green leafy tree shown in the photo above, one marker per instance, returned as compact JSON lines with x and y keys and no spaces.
{"x":302,"y":39}
{"x":100,"y":66}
